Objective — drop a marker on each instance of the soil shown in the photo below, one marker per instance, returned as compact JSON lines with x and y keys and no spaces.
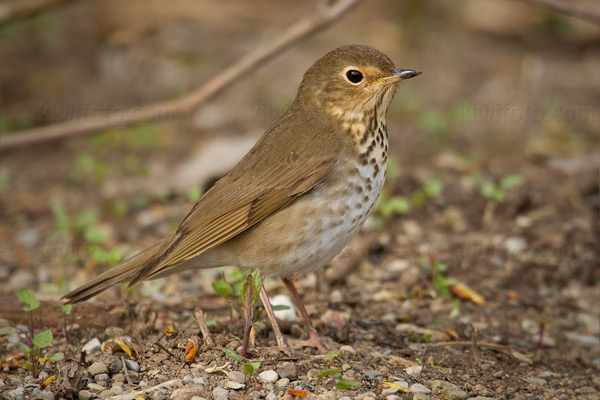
{"x":507,"y":90}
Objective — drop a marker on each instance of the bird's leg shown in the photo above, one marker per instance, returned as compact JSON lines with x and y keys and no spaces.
{"x":280,"y":339}
{"x":314,"y":339}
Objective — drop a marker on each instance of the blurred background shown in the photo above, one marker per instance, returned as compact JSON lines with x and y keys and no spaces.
{"x":493,"y":176}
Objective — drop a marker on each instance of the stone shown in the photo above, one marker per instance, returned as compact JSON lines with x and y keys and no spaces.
{"x":114,"y":366}
{"x":92,"y":347}
{"x":85,"y":395}
{"x":283,"y":383}
{"x":414,"y":370}
{"x":537,"y":381}
{"x":372,"y":374}
{"x":420,"y":396}
{"x":392,"y":390}
{"x":42,"y":394}
{"x":393,"y":397}
{"x":107,"y":394}
{"x":236,"y":376}
{"x":234,"y":385}
{"x":482,"y":398}
{"x":98,"y":368}
{"x":200,"y":381}
{"x":347,"y":349}
{"x":118,"y":378}
{"x":288,"y":314}
{"x":418,"y":388}
{"x":448,"y":390}
{"x":95,"y":387}
{"x":288,"y":370}
{"x":102,"y":378}
{"x":220,"y":393}
{"x":118,"y":389}
{"x":268,"y":376}
{"x":132,"y":365}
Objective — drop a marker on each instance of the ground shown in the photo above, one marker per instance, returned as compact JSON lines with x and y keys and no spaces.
{"x":508,"y":96}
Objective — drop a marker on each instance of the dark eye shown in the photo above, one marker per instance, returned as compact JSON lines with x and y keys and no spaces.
{"x":354,"y":76}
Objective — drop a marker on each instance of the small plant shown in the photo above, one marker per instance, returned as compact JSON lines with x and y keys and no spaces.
{"x":35,"y":342}
{"x":387,"y":206}
{"x":341,"y":383}
{"x":247,"y":368}
{"x":441,"y":282}
{"x":65,"y":309}
{"x":496,"y":191}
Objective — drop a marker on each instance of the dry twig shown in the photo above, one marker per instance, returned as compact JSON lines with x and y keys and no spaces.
{"x":10,"y":10}
{"x":324,"y":16}
{"x":199,"y":317}
{"x":498,"y":347}
{"x":568,"y":8}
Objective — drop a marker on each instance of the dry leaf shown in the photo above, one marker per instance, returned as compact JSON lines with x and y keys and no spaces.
{"x":462,"y":291}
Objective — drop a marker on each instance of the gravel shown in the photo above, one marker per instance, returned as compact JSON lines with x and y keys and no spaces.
{"x":448,"y":390}
{"x":98,"y":368}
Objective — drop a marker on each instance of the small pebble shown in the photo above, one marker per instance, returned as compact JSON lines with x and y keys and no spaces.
{"x":220,"y":393}
{"x":345,"y":398}
{"x":106,"y":394}
{"x":392,"y":390}
{"x":372,"y":374}
{"x":401,"y":383}
{"x":234,"y":385}
{"x":132,"y":365}
{"x":537,"y":381}
{"x":347,"y":349}
{"x":143,"y":384}
{"x":282,"y":383}
{"x":102,"y":378}
{"x":200,"y":381}
{"x":85,"y":395}
{"x":118,"y":389}
{"x":288,"y":370}
{"x":393,"y":397}
{"x":271,"y":396}
{"x":42,"y":394}
{"x":118,"y":378}
{"x":95,"y":387}
{"x":197,"y":398}
{"x":414,"y":370}
{"x":420,"y":396}
{"x":114,"y":365}
{"x":498,"y":374}
{"x":448,"y":390}
{"x":268,"y":376}
{"x":236,"y":376}
{"x":187,"y":379}
{"x":92,"y":347}
{"x":98,"y":368}
{"x":418,"y":388}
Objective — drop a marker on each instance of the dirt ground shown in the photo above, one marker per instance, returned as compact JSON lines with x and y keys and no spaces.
{"x":509,"y":93}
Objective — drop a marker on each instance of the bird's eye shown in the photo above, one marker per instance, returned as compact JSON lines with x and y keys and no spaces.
{"x":354,"y":76}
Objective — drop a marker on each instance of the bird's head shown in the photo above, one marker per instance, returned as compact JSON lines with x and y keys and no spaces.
{"x":351,"y":83}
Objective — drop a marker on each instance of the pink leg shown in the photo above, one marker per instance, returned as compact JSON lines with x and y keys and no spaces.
{"x":313,"y":337}
{"x":280,"y":339}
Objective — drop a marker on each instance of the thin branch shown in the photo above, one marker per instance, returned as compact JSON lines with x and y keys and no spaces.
{"x":15,"y":9}
{"x":573,"y":10}
{"x":325,"y":15}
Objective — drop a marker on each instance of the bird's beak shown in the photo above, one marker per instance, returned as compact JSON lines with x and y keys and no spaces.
{"x":399,"y":74}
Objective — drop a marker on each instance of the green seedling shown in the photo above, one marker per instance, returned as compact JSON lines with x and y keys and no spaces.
{"x":65,"y":310}
{"x":497,"y":191}
{"x":441,"y":282}
{"x":35,"y":342}
{"x":247,"y":368}
{"x":341,"y":383}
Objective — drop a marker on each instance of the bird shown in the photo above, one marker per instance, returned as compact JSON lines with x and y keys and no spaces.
{"x":298,"y":196}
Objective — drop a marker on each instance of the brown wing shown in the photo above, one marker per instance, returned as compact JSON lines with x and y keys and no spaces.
{"x":249,"y":193}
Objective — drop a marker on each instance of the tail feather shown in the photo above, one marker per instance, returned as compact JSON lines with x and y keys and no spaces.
{"x":125,"y":271}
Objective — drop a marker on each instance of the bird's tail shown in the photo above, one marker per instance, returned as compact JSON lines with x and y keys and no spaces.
{"x":124,"y":272}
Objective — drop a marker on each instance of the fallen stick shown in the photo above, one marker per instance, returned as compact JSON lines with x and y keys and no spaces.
{"x":325,"y":15}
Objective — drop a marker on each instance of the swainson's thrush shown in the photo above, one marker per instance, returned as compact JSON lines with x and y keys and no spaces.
{"x":299,"y":196}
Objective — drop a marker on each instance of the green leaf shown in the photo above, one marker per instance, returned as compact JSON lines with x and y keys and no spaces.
{"x":30,"y":351}
{"x":511,"y":181}
{"x":331,"y":355}
{"x":194,"y":194}
{"x":345,"y":384}
{"x":488,"y":189}
{"x":246,"y":287}
{"x":396,"y":205}
{"x":66,"y":309}
{"x":57,"y":357}
{"x":27,"y":366}
{"x":26,"y":296}
{"x":327,"y":372}
{"x":280,"y":307}
{"x":43,"y":339}
{"x":249,"y":368}
{"x":232,"y":354}
{"x":433,"y":187}
{"x":346,"y":367}
{"x":223,"y":288}
{"x":94,"y":235}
